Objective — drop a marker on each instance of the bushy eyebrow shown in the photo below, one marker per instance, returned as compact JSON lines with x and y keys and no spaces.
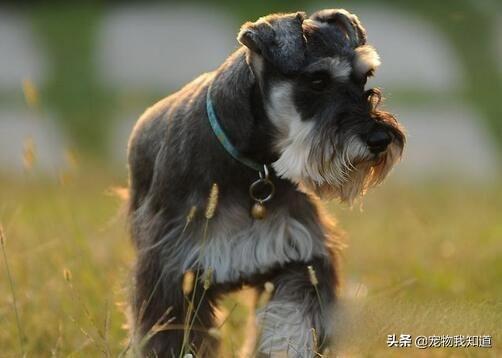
{"x":366,"y":59}
{"x":338,"y":68}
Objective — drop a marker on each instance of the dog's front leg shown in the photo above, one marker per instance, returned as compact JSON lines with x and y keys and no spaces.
{"x":167,"y":322}
{"x":297,"y":320}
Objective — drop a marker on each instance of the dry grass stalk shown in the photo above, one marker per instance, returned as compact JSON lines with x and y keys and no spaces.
{"x":267,"y":292}
{"x":29,"y":153}
{"x":190,"y":217}
{"x":162,"y":324}
{"x":191,"y":315}
{"x":76,"y":297}
{"x":30,"y":93}
{"x":13,"y":291}
{"x":269,"y":287}
{"x":208,"y":278}
{"x":86,"y":334}
{"x":67,"y":275}
{"x":55,"y":352}
{"x":188,"y":282}
{"x":315,"y":343}
{"x":212,"y":201}
{"x":312,"y":276}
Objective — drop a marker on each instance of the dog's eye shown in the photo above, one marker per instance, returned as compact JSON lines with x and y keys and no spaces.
{"x":319,"y":81}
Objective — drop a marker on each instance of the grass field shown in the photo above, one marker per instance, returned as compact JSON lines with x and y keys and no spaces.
{"x":420,"y":259}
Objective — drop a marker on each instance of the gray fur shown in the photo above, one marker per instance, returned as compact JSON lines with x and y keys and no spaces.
{"x":238,"y":246}
{"x":317,"y":142}
{"x":278,"y":38}
{"x":349,"y":22}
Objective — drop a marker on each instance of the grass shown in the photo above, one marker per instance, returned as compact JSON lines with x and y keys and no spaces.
{"x":421,"y":259}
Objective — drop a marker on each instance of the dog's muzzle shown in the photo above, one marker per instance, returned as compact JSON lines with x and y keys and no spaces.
{"x":378,"y":140}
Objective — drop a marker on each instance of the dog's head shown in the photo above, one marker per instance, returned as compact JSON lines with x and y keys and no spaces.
{"x":331,"y":138}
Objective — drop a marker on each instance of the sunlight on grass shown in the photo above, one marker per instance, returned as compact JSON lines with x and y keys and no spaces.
{"x":419,"y":260}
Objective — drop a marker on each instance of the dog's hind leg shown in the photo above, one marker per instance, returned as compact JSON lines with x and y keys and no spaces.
{"x":297,"y":320}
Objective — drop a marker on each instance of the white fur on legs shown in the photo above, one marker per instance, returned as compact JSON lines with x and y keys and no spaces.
{"x":285,"y":329}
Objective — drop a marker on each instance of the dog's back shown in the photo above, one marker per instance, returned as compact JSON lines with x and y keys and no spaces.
{"x":151,"y":133}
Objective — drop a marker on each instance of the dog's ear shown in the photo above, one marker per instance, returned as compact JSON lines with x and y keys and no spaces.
{"x":348,"y":23}
{"x":278,"y":39}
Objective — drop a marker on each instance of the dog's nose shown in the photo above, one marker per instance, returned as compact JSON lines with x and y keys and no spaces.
{"x":378,"y":140}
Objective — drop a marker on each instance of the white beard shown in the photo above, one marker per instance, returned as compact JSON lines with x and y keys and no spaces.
{"x":345,"y":174}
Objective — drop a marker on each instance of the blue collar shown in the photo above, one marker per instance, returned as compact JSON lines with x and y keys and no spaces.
{"x":222,"y":137}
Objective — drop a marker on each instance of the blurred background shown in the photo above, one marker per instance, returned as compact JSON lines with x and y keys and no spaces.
{"x":77,"y":77}
{"x":74,"y":79}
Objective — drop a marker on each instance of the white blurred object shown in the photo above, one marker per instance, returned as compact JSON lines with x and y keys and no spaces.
{"x":119,"y":134}
{"x":20,"y":56}
{"x":19,"y":128}
{"x":162,"y":47}
{"x":445,"y":140}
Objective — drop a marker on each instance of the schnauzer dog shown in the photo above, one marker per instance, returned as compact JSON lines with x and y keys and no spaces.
{"x":226,"y":176}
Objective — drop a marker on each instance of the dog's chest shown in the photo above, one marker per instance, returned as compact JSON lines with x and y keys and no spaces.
{"x":237,"y":247}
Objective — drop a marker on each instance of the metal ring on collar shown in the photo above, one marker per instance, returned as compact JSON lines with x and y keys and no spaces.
{"x":265,"y":182}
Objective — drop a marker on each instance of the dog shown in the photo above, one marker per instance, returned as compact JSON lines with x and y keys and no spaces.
{"x":226,"y":177}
